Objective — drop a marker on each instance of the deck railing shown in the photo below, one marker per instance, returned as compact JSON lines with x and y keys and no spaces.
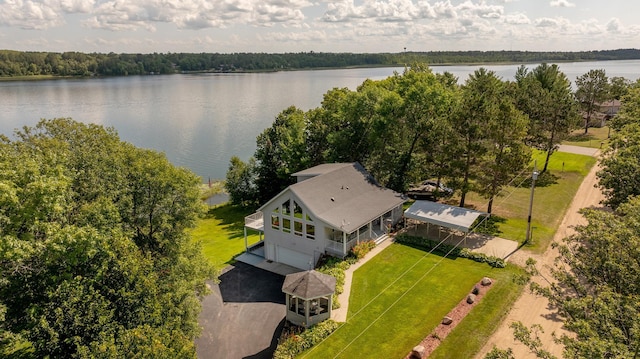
{"x":254,"y":220}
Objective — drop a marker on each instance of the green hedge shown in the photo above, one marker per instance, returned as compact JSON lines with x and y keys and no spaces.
{"x":450,"y":250}
{"x":295,"y":343}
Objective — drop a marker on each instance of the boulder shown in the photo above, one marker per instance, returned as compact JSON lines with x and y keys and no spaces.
{"x":476,"y":290}
{"x":417,"y":352}
{"x":471,"y":298}
{"x":486,"y":281}
{"x":447,"y":320}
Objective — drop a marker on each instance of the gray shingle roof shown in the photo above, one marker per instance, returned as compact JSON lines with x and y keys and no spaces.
{"x":345,"y":195}
{"x":309,"y":284}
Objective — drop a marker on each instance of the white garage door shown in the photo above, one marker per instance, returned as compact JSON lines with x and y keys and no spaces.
{"x":293,"y":258}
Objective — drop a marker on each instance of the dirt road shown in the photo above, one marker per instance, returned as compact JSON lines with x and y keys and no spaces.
{"x":530,"y":308}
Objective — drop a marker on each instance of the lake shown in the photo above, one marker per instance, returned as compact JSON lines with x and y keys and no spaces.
{"x":200,"y":120}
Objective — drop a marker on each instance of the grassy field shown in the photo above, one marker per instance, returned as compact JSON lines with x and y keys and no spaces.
{"x":596,"y":138}
{"x":401,"y":295}
{"x":222,"y":234}
{"x":553,"y":195}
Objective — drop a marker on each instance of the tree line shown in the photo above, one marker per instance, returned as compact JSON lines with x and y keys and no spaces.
{"x":418,"y":125}
{"x":19,"y":63}
{"x":95,"y":261}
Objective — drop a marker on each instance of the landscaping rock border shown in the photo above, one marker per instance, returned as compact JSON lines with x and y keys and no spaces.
{"x":431,"y":341}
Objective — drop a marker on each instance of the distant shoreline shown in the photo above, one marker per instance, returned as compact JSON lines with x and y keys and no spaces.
{"x":27,"y":66}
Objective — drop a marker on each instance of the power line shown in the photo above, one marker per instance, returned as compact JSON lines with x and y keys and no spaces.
{"x":418,"y":280}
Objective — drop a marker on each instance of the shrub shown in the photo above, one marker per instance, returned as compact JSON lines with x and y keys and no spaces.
{"x":296,"y":341}
{"x":362,"y":248}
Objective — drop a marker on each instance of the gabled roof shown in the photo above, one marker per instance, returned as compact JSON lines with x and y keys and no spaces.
{"x":457,"y":218}
{"x":309,"y":284}
{"x":321,"y":169}
{"x":344,"y":195}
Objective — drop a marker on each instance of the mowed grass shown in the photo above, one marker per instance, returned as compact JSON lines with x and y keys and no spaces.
{"x":552,"y":196}
{"x":401,"y":295}
{"x":221,"y":233}
{"x":595,"y":138}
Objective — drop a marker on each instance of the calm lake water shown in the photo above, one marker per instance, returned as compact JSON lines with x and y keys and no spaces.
{"x":199,"y":121}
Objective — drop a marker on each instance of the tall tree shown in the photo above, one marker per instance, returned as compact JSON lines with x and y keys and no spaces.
{"x":545,"y":95}
{"x":592,"y":90}
{"x":507,"y":154}
{"x":477,"y":109}
{"x":426,"y":102}
{"x":618,"y":87}
{"x":240,"y":182}
{"x":281,"y":151}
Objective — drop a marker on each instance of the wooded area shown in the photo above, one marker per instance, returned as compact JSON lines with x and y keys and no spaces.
{"x":17,"y":63}
{"x":94,"y":258}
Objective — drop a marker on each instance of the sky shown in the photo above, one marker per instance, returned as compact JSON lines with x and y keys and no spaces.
{"x":277,"y":26}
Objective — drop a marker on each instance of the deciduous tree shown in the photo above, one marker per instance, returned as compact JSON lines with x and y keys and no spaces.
{"x":592,"y":90}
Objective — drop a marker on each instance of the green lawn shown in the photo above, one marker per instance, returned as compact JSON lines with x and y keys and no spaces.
{"x":221,"y":233}
{"x":389,"y":315}
{"x":552,"y":197}
{"x":596,"y":138}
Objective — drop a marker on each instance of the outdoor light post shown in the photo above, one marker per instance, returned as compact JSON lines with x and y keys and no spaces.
{"x":534,"y":177}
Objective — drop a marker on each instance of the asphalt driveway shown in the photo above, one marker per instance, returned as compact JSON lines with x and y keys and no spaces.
{"x":243,"y":316}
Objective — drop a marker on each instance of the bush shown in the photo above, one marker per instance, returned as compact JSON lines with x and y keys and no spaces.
{"x":296,"y":341}
{"x":449,"y":250}
{"x":362,"y":248}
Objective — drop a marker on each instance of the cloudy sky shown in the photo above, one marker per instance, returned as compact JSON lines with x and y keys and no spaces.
{"x":317,"y":25}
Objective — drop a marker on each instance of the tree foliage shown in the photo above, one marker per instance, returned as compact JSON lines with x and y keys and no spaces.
{"x":18,"y":63}
{"x":592,"y":90}
{"x":94,"y":258}
{"x":598,"y":285}
{"x":240,"y":182}
{"x":620,"y":174}
{"x":545,"y":95}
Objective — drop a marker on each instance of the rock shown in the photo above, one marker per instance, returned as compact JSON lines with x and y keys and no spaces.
{"x":471,"y":298}
{"x":486,"y":281}
{"x":476,"y":290}
{"x":447,"y":320}
{"x":417,"y":352}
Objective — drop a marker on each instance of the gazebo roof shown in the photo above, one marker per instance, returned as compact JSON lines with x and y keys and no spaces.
{"x":309,"y":284}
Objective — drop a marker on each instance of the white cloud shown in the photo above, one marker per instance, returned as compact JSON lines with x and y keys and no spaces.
{"x":32,"y":15}
{"x":517,"y":19}
{"x":561,"y":3}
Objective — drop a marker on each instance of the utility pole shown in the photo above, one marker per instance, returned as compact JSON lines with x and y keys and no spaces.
{"x":534,"y":177}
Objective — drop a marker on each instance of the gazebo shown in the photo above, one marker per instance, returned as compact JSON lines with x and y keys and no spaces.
{"x":308,"y":297}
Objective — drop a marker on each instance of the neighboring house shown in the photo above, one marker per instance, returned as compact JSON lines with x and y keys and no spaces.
{"x":329,"y":209}
{"x":606,"y":111}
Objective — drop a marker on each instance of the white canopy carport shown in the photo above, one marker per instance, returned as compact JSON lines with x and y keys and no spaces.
{"x":443,"y":215}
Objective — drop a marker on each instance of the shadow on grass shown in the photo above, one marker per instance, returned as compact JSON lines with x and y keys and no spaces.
{"x":491,"y":226}
{"x":230,"y":216}
{"x":545,"y":179}
{"x":581,"y":137}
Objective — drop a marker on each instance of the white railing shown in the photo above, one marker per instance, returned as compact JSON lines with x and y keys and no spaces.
{"x":255,"y":220}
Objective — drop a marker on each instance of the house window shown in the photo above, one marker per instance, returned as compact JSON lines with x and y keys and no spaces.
{"x":311,"y":231}
{"x":276,"y":210}
{"x":309,"y":218}
{"x":286,"y":225}
{"x":297,"y":210}
{"x":286,"y":209}
{"x":275,"y":221}
{"x":297,"y":228}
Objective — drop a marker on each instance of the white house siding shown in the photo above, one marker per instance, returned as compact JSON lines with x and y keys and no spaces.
{"x":280,"y":238}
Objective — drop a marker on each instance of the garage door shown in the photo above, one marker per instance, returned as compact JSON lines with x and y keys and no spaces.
{"x":293,"y":258}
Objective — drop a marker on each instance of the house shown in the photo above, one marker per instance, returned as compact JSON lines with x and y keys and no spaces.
{"x":327,"y":211}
